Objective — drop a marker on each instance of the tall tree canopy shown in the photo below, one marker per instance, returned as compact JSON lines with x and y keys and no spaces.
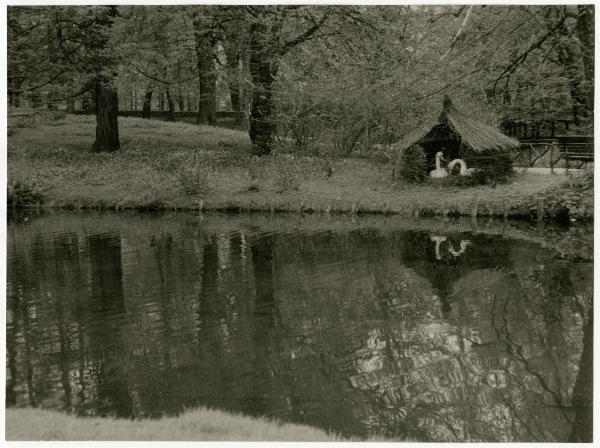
{"x":355,"y":75}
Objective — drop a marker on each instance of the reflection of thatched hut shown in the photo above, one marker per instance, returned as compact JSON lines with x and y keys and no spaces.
{"x":484,"y":253}
{"x":457,"y":135}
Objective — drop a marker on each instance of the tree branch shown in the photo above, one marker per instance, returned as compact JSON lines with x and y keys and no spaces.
{"x":458,"y":33}
{"x":162,"y":81}
{"x":304,"y":36}
{"x":31,"y":89}
{"x":449,"y":84}
{"x":86,"y":88}
{"x":523,"y":56}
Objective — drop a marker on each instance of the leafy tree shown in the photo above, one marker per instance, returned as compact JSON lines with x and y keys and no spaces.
{"x":347,"y":76}
{"x":269,"y":28}
{"x":49,"y":45}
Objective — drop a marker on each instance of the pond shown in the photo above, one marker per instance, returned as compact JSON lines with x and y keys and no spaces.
{"x":426,"y":331}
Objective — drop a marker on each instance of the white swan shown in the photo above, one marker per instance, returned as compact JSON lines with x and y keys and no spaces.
{"x":463,"y":247}
{"x":438,"y":240}
{"x":439,"y":171}
{"x":463,"y":167}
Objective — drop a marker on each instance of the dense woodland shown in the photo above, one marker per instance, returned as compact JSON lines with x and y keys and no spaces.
{"x":346,"y":75}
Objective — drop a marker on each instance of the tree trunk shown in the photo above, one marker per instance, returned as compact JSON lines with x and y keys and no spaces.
{"x":135,"y":99}
{"x":51,"y":100}
{"x":36,"y":99}
{"x":234,"y":95}
{"x":107,"y":126}
{"x":88,"y":102}
{"x":180,"y":99}
{"x":147,"y":107}
{"x":207,"y":79}
{"x":585,"y":33}
{"x":161,"y":99}
{"x":569,"y":59}
{"x":171,"y":106}
{"x":207,"y":113}
{"x":234,"y":71}
{"x":14,"y":97}
{"x":70,"y":105}
{"x":70,"y":100}
{"x":263,"y":68}
{"x":236,"y":101}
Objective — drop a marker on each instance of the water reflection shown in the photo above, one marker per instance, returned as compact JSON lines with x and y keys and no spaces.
{"x":438,"y":240}
{"x":408,"y":334}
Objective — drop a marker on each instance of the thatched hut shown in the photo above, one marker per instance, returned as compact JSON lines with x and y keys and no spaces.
{"x":457,"y":135}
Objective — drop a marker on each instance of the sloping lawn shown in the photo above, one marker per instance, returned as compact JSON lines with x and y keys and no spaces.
{"x":184,"y":166}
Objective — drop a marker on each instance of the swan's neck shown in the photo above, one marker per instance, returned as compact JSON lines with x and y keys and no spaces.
{"x":437,"y":162}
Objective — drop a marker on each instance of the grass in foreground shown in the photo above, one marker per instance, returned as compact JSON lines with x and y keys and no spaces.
{"x":193,"y":425}
{"x":182,"y":166}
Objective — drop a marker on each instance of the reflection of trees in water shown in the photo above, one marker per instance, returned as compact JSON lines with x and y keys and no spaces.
{"x":108,"y":314}
{"x":422,"y":378}
{"x":338,"y":331}
{"x":39,"y":342}
{"x":263,"y":324}
{"x":582,"y":402}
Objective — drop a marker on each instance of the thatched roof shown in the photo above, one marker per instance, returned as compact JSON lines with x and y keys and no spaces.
{"x":477,"y":135}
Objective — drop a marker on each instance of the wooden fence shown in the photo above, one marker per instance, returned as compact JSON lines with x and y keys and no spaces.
{"x":570,"y":148}
{"x":163,"y":114}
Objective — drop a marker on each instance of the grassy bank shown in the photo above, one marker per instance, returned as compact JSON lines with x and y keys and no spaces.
{"x":181,"y":166}
{"x":194,"y":425}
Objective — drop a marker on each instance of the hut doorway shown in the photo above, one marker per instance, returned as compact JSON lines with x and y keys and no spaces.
{"x":441,"y":138}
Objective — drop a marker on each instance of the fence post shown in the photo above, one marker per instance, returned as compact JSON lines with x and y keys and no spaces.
{"x":552,"y":155}
{"x":530,"y":154}
{"x":475,"y":208}
{"x":540,"y":210}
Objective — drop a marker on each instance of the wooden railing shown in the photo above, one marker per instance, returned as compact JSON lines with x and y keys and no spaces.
{"x":532,"y":150}
{"x":570,"y":148}
{"x":576,"y":148}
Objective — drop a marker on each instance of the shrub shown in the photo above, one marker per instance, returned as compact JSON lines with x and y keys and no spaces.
{"x":194,"y":178}
{"x":411,"y":165}
{"x":490,"y":167}
{"x":303,"y":128}
{"x":572,"y":199}
{"x":151,"y":203}
{"x":22,"y":195}
{"x":27,"y":121}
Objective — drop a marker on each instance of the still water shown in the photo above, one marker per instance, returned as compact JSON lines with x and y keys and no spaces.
{"x":375,"y":327}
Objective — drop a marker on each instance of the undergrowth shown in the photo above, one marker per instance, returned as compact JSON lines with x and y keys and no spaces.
{"x":411,"y":165}
{"x":573,"y":199}
{"x":22,"y":195}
